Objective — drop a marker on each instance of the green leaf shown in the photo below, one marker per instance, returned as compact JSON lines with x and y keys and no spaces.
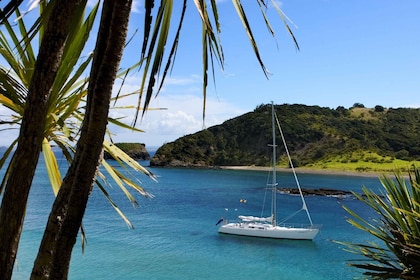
{"x":397,"y":226}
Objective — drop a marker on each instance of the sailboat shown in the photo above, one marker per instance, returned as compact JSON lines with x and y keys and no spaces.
{"x":267,"y":226}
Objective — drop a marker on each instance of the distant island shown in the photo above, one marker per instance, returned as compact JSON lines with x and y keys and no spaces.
{"x":136,"y":151}
{"x":359,"y":139}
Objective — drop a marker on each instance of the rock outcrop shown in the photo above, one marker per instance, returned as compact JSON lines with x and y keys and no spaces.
{"x":136,"y":151}
{"x":321,"y":192}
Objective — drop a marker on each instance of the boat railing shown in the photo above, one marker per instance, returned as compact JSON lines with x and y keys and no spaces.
{"x":299,"y":225}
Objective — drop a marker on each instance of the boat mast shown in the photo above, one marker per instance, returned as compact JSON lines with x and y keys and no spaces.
{"x":274,"y":183}
{"x":304,"y":207}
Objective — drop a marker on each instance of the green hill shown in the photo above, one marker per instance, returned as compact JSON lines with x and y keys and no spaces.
{"x":360,"y":138}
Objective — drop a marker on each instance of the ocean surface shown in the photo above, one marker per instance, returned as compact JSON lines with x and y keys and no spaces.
{"x":175,"y":236}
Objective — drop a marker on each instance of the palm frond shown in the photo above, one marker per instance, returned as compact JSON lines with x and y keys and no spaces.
{"x":8,"y":10}
{"x":78,"y":38}
{"x":118,"y":210}
{"x":211,"y":44}
{"x":244,"y":19}
{"x":398,"y":228}
{"x":8,"y":153}
{"x":285,"y":20}
{"x":156,"y":34}
{"x":117,"y":179}
{"x":121,"y":156}
{"x":153,"y":54}
{"x":52,"y":166}
{"x":174,"y":47}
{"x":123,"y":125}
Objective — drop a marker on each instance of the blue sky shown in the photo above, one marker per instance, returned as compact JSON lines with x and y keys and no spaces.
{"x":364,"y":51}
{"x":351,"y":51}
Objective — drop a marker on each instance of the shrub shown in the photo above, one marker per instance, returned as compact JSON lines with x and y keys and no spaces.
{"x":379,"y":108}
{"x":358,"y":105}
{"x":295,"y":163}
{"x":398,"y":227}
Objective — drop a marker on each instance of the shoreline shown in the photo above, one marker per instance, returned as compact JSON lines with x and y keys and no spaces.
{"x":299,"y":170}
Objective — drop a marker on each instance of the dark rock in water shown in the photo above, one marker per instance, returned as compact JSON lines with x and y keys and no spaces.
{"x":321,"y":191}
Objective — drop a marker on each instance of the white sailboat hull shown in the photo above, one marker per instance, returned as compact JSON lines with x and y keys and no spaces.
{"x":267,"y":227}
{"x":269,"y":231}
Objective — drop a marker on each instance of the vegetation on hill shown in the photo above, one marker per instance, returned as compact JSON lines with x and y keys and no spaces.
{"x":316,"y":136}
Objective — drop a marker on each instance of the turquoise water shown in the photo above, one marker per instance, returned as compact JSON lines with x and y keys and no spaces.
{"x":175,"y":236}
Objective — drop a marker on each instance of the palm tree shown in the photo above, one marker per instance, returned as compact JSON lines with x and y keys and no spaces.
{"x":30,"y":140}
{"x":65,"y":110}
{"x":397,"y":228}
{"x":68,"y":209}
{"x":67,"y":213}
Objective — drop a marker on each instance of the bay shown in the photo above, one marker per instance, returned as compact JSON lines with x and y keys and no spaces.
{"x":175,"y":236}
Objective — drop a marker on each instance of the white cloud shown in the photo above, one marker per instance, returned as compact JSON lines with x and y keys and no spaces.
{"x":184,"y":115}
{"x":8,"y":133}
{"x":7,"y":137}
{"x":181,"y":113}
{"x":136,"y":5}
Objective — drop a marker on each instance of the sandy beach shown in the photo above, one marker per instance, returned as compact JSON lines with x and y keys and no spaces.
{"x":311,"y":171}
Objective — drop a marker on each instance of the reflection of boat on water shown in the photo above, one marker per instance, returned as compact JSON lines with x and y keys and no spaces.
{"x":267,"y":226}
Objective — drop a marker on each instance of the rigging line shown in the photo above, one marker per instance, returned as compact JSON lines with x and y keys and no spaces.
{"x":265,"y":195}
{"x":274,"y":191}
{"x":293,"y":169}
{"x":291,"y":216}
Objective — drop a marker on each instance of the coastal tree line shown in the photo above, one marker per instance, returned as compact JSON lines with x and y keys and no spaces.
{"x":313,"y":133}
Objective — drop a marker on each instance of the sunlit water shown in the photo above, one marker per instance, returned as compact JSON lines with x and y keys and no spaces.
{"x":175,"y":236}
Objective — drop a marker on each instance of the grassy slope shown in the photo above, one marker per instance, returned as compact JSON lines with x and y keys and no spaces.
{"x":361,"y":162}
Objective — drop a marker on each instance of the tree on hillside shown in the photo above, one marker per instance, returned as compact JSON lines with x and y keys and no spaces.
{"x":358,"y":105}
{"x":379,"y":108}
{"x":68,"y":209}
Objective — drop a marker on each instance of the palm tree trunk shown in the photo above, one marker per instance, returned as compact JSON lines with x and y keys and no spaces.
{"x":66,"y":215}
{"x":25,"y":159}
